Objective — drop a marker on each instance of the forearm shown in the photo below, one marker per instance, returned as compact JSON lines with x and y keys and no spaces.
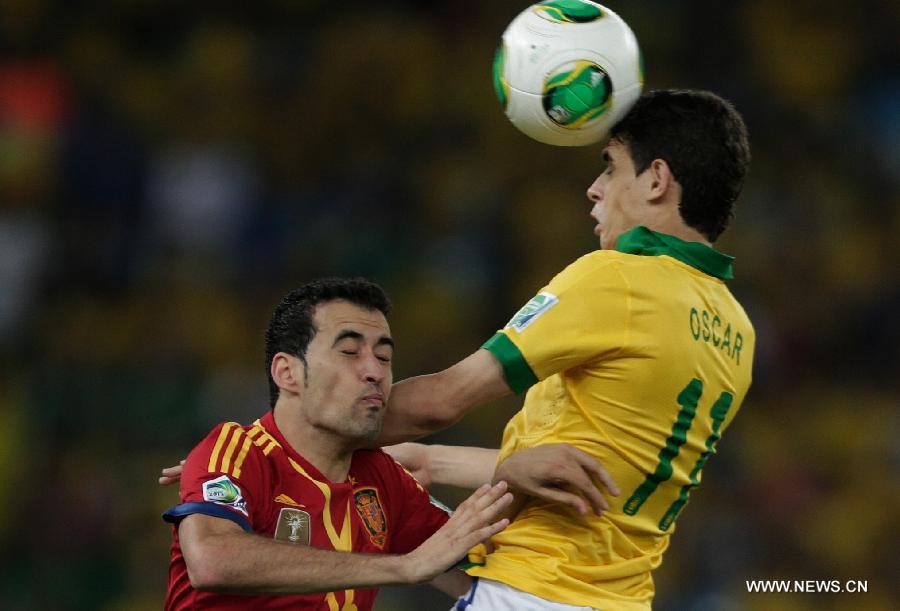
{"x":249,"y":564}
{"x":424,"y":404}
{"x":221,"y":557}
{"x":418,"y":406}
{"x":462,"y":466}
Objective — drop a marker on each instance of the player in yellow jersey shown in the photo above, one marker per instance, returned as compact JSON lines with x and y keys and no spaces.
{"x":636,"y":355}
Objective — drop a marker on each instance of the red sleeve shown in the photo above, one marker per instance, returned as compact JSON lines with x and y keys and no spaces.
{"x":414,"y":515}
{"x":222,"y":477}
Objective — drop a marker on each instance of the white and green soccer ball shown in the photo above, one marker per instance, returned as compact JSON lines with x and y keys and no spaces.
{"x":567,"y":70}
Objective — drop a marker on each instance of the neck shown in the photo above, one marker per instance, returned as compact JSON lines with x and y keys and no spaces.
{"x":328,"y":453}
{"x":663,"y":215}
{"x":682,"y":232}
{"x":665,"y":218}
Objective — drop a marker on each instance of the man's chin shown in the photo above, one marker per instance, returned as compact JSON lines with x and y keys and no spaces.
{"x":608,"y":239}
{"x":369,"y":433}
{"x":601,"y":237}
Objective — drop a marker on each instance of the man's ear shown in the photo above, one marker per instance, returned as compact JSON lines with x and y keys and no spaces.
{"x":660,"y":180}
{"x":288,"y":372}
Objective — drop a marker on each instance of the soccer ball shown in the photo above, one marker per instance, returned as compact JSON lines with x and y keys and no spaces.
{"x":567,"y":70}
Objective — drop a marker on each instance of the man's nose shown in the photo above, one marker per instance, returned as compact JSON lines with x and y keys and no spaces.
{"x":372,"y":369}
{"x":595,"y":192}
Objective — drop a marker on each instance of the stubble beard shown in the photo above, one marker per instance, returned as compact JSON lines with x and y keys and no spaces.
{"x":360,"y":426}
{"x":368,"y":430}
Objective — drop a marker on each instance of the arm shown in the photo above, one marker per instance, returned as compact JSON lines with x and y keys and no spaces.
{"x":221,"y":557}
{"x":559,"y":473}
{"x":425,"y":404}
{"x":461,"y":466}
{"x":553,"y":472}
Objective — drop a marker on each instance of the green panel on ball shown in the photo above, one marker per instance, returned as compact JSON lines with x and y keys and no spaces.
{"x":568,"y":11}
{"x":573,"y":97}
{"x":501,"y":87}
{"x":642,"y":68}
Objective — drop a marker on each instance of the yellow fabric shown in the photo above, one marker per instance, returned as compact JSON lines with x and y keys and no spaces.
{"x":626,"y":339}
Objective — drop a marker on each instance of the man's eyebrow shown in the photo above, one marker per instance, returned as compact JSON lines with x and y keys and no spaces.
{"x":384,"y":340}
{"x":606,"y":157}
{"x":345,"y":334}
{"x":356,"y":335}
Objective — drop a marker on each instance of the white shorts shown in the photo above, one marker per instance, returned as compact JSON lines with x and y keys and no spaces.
{"x":487,"y":595}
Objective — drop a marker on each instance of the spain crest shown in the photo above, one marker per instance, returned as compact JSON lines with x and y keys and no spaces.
{"x":369,"y":509}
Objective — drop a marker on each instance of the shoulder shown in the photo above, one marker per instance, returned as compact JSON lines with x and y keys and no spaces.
{"x":594,"y":267}
{"x":596,"y":275}
{"x":611,"y":268}
{"x":219,"y":436}
{"x":234,"y":433}
{"x":230,"y":447}
{"x":596,"y":261}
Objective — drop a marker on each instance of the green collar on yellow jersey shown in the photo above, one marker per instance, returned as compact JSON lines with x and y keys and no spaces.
{"x":642,"y":241}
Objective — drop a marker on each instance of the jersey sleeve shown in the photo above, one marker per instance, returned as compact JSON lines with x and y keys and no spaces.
{"x":414,"y":515}
{"x":582,"y":315}
{"x":223,"y":478}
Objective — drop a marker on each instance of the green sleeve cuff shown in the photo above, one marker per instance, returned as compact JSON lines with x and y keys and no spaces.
{"x":465,"y":564}
{"x":518,"y":373}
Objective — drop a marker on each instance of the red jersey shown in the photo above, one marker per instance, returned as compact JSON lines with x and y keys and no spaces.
{"x":253,"y":477}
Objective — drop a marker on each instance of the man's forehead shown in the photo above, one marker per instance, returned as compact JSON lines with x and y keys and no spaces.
{"x":615,"y":146}
{"x":339,"y":314}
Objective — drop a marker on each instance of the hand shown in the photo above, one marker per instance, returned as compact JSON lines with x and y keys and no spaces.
{"x":470,"y":524}
{"x":413,"y":456}
{"x":171,"y":475}
{"x":560,"y":473}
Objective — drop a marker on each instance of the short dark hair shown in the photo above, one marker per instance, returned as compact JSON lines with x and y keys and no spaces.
{"x":291,"y":327}
{"x":703,"y":139}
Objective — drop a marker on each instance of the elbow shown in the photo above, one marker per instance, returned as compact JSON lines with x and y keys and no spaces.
{"x":434,"y":415}
{"x":430,"y":403}
{"x":439,"y":418}
{"x":206,"y":569}
{"x":206,"y":576}
{"x":208,"y":545}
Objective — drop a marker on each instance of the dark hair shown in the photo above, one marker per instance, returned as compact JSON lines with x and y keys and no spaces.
{"x":291,"y":327}
{"x":703,"y":139}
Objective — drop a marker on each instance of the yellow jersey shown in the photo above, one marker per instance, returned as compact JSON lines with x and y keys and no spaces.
{"x":640,"y":357}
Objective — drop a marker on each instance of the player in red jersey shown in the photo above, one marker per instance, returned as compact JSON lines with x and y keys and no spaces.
{"x":291,"y":511}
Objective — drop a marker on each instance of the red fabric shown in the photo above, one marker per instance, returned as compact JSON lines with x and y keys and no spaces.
{"x":390,"y":512}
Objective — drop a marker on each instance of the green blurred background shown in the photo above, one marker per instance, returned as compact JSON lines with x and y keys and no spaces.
{"x":169,"y":170}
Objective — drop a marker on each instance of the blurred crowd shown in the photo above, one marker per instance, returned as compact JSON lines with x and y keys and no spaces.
{"x":168,"y":171}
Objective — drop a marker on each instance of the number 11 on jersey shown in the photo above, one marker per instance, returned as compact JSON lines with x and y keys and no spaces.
{"x":688,"y":399}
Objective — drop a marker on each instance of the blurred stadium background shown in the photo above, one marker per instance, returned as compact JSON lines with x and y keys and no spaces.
{"x":169,"y":170}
